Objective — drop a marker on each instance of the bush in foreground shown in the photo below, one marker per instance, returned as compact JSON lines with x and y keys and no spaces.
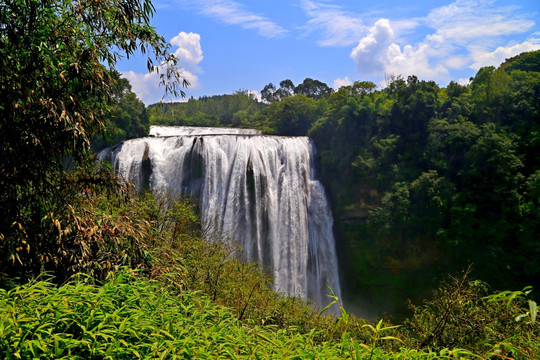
{"x":130,"y":317}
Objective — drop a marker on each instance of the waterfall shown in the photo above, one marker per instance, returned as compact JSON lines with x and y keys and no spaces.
{"x":258,"y":190}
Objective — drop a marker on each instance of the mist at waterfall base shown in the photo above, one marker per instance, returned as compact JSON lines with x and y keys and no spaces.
{"x":257,"y":190}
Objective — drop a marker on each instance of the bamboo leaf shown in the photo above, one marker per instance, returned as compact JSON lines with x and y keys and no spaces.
{"x":265,"y":338}
{"x":365,"y":346}
{"x":391,"y":338}
{"x":533,"y":310}
{"x":356,"y":350}
{"x":344,"y":315}
{"x":370,"y":327}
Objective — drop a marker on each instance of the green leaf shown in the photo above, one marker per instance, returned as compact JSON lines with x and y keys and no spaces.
{"x":391,"y":338}
{"x":379,"y":325}
{"x":329,"y":305}
{"x":344,"y":315}
{"x":533,"y":310}
{"x":370,"y":327}
{"x":345,"y":338}
{"x":265,"y":338}
{"x":365,"y":346}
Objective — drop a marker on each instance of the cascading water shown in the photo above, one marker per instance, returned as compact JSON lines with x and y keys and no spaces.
{"x":258,"y":190}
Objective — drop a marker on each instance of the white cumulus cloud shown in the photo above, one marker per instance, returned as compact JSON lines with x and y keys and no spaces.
{"x":457,"y":62}
{"x":189,"y":54}
{"x":464,"y":35}
{"x":146,"y":86}
{"x":464,"y":81}
{"x":413,"y":60}
{"x":371,"y":52}
{"x":378,"y":53}
{"x":483,"y":58}
{"x":339,"y":82}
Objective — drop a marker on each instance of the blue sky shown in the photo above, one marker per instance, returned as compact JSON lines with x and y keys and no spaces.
{"x":230,"y":45}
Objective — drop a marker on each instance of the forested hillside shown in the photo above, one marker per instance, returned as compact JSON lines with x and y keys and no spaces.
{"x":427,"y":180}
{"x":222,"y":110}
{"x":423,"y":180}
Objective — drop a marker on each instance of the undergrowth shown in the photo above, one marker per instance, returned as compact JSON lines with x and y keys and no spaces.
{"x":129,"y":317}
{"x":153,"y":288}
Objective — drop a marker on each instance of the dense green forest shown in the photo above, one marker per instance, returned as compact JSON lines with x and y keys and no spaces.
{"x":222,"y":110}
{"x":422,"y":179}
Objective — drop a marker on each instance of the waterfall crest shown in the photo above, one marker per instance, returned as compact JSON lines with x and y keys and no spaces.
{"x":258,"y":190}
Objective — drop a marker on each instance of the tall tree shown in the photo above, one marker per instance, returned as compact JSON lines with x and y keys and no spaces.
{"x":313,"y":88}
{"x":267,"y":93}
{"x":56,"y":58}
{"x":286,"y":89}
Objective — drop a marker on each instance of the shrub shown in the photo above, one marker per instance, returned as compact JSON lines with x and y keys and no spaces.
{"x":129,"y":317}
{"x":462,"y":314}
